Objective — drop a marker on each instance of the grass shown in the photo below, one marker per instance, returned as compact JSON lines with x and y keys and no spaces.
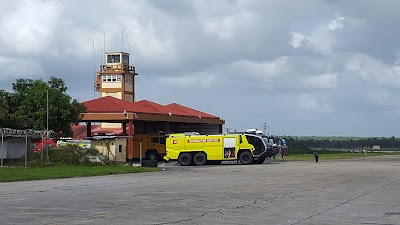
{"x":10,"y":174}
{"x":330,"y":156}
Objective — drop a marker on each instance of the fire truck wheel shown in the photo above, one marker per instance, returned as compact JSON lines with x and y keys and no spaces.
{"x":246,"y":158}
{"x":185,"y":159}
{"x":200,"y":159}
{"x":152,"y":155}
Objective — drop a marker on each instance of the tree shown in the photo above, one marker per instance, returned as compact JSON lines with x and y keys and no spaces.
{"x":28,"y":106}
{"x":3,"y":107}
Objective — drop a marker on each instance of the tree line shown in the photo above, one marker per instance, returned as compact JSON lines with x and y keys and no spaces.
{"x":26,"y":106}
{"x":359,"y":143}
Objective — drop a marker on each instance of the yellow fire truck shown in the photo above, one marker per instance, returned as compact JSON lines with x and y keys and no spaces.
{"x":197,"y":149}
{"x":153,"y":145}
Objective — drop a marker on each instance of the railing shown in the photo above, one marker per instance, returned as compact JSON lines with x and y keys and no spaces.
{"x":116,"y":68}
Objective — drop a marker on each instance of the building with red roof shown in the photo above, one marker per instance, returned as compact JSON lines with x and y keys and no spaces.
{"x":117,"y":114}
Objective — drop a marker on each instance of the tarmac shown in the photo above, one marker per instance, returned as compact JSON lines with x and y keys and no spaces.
{"x":353,"y":191}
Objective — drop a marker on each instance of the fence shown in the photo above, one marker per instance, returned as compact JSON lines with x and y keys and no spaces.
{"x":12,"y":134}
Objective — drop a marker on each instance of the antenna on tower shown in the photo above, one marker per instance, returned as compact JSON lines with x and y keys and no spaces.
{"x":129,"y":48}
{"x":122,"y":41}
{"x":104,"y":47}
{"x":94,"y":70}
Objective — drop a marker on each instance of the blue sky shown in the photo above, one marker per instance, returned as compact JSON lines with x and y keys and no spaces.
{"x":311,"y":67}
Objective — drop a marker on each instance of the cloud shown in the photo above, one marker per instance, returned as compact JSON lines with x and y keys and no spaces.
{"x":299,"y":40}
{"x":310,"y":104}
{"x":29,"y":30}
{"x":12,"y":67}
{"x":374,"y":72}
{"x":335,"y":24}
{"x":322,"y":38}
{"x":264,"y":69}
{"x":320,"y":82}
{"x":198,"y":80}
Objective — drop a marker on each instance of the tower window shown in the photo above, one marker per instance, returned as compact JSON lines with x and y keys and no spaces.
{"x":113,"y":58}
{"x":125,"y":59}
{"x":111,"y":78}
{"x":128,"y":79}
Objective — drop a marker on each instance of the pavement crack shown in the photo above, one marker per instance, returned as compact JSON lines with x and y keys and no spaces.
{"x":345,"y":202}
{"x":242,"y":206}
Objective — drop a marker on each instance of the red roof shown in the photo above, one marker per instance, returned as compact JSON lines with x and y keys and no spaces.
{"x":187,"y":111}
{"x":110,"y":104}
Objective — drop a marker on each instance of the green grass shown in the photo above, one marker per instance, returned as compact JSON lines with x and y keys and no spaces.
{"x":9,"y":174}
{"x":330,"y":156}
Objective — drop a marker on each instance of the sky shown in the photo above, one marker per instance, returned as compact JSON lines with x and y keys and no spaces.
{"x":300,"y":68}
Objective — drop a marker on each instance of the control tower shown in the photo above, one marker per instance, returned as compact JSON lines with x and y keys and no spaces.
{"x":117,"y":77}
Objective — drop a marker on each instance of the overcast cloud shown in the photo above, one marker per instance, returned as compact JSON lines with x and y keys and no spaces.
{"x":310,"y":67}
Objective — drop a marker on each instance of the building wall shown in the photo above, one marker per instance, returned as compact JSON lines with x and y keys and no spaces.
{"x":115,"y":95}
{"x":111,"y":85}
{"x":128,"y":98}
{"x":128,"y":86}
{"x":117,"y":148}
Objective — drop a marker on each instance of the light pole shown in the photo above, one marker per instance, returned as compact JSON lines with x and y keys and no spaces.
{"x":47,"y":126}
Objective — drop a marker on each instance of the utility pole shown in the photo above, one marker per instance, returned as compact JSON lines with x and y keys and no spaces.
{"x":265,"y":128}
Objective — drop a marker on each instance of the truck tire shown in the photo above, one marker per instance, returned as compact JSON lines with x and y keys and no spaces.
{"x":260,"y":160}
{"x":246,"y":158}
{"x":185,"y":159}
{"x":152,"y":155}
{"x":200,"y":159}
{"x":149,"y":163}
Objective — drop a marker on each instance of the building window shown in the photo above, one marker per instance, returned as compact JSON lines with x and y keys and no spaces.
{"x":113,"y":58}
{"x":128,"y":79}
{"x":154,"y":140}
{"x":119,"y":148}
{"x":112,"y":78}
{"x":125,"y":59}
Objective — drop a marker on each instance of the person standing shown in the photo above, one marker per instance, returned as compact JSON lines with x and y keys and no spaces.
{"x":316,"y":155}
{"x":365,"y":152}
{"x":283,"y":148}
{"x":282,"y":152}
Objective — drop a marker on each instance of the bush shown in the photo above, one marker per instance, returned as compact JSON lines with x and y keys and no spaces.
{"x":69,"y":155}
